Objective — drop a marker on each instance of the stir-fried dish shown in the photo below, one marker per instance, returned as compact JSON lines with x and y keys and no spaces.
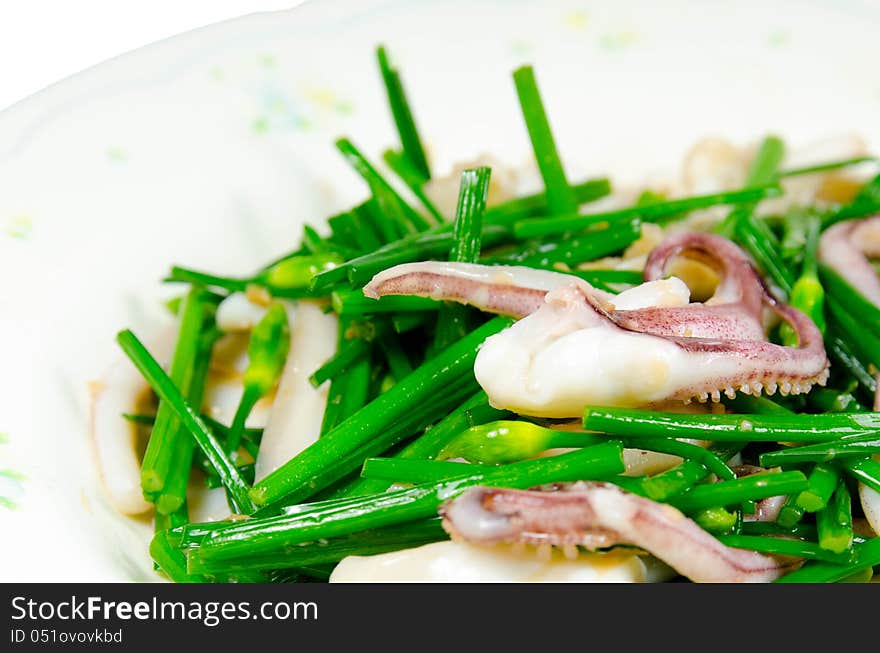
{"x":459,"y":380}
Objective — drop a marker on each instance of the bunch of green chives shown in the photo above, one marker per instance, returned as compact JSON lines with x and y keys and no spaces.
{"x":405,"y":425}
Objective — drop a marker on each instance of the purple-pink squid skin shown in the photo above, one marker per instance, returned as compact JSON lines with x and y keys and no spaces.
{"x":597,"y":515}
{"x":846,"y":247}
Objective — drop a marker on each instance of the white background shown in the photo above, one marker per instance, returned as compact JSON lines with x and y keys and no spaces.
{"x":44,"y":41}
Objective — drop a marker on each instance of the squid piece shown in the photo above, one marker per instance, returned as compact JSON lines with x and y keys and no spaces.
{"x":870,"y":500}
{"x":504,"y":289}
{"x":520,"y":291}
{"x":223,"y":387}
{"x":766,"y":510}
{"x":295,"y":418}
{"x":507,"y":182}
{"x":577,"y":346}
{"x":600,"y":515}
{"x":845,"y":248}
{"x":837,"y":186}
{"x":239,"y":313}
{"x":120,"y":390}
{"x":460,"y":562}
{"x":712,"y":165}
{"x":640,"y":462}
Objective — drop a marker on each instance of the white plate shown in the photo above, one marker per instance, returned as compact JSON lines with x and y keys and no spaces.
{"x":213,"y":147}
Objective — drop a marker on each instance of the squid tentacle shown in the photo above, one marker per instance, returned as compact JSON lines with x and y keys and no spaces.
{"x":697,"y":321}
{"x":722,"y":345}
{"x":518,"y":292}
{"x":599,"y":515}
{"x":845,"y":248}
{"x":740,"y":284}
{"x":491,"y":289}
{"x":757,"y":365}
